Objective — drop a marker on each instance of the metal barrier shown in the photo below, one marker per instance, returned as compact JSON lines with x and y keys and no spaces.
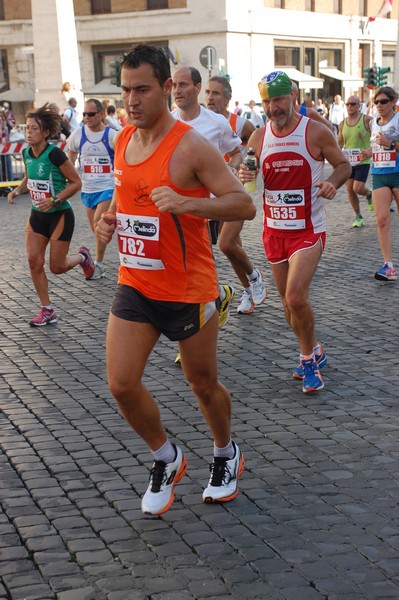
{"x":12,"y":168}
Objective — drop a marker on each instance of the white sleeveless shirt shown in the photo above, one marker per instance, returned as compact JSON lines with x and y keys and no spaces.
{"x":290,"y":172}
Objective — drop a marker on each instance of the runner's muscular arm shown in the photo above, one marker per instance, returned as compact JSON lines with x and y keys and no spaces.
{"x":197,"y":162}
{"x":74,"y":181}
{"x":72,"y":156}
{"x":323,"y":144}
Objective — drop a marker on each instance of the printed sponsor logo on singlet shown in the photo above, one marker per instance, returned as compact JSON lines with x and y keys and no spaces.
{"x":38,"y":185}
{"x":145,"y":229}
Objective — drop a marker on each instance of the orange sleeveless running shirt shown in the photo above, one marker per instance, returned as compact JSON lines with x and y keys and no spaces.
{"x":163,"y":256}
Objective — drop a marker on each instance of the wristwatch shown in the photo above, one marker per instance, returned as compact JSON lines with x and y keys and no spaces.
{"x":57,"y":201}
{"x":393,"y":145}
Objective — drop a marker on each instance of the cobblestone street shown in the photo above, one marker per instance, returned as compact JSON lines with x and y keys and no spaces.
{"x":317,"y":515}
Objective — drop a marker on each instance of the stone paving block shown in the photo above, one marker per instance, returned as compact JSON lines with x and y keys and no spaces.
{"x":86,"y":593}
{"x":33,"y":592}
{"x":95,"y":556}
{"x":139,"y":595}
{"x":67,"y":582}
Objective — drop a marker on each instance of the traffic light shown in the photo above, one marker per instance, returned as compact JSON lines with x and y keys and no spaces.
{"x":366,"y":76}
{"x":374,"y":77}
{"x":115,"y":72}
{"x":382,"y":75}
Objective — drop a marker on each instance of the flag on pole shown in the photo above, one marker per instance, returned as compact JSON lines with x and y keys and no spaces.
{"x":385,"y":9}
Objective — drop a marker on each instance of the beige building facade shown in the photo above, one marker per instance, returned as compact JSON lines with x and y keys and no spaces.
{"x":323,"y":44}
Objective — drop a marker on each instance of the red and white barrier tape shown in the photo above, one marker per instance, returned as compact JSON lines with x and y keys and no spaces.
{"x":17,"y":147}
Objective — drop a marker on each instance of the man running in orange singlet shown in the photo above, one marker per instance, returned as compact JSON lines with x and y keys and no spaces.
{"x":165,"y":172}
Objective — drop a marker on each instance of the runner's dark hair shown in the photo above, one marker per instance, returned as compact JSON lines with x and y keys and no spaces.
{"x":151,"y":55}
{"x":388,"y":91}
{"x":47,"y":119}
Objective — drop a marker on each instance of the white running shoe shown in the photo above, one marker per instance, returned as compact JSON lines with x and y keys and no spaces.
{"x":258,"y":289}
{"x":99,"y":272}
{"x":246,"y":306}
{"x":163,"y":478}
{"x":223,"y":482}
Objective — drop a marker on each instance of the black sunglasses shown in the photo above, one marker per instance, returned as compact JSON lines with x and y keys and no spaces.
{"x":352,"y":104}
{"x":383,"y":101}
{"x":90,"y":114}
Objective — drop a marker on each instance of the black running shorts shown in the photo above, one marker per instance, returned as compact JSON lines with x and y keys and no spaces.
{"x":176,"y":320}
{"x":57,"y":226}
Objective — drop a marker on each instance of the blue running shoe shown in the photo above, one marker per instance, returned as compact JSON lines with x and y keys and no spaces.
{"x":321,"y":360}
{"x":312,"y":380}
{"x":386,"y":274}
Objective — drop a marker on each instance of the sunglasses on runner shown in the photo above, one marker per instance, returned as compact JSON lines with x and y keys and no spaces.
{"x":90,"y":114}
{"x":352,"y":104}
{"x":382,"y":101}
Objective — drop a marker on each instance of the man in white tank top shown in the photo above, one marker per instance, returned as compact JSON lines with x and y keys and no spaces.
{"x":291,"y":150}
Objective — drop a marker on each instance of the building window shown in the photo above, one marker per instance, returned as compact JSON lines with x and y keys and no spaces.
{"x":337,"y":7}
{"x":157,"y":4}
{"x":309,"y":61}
{"x":104,"y":55}
{"x":310,"y":5}
{"x":4,"y":83}
{"x":100,"y":7}
{"x":388,"y":60}
{"x":286,"y":56}
{"x":2,"y":10}
{"x":330,"y":57}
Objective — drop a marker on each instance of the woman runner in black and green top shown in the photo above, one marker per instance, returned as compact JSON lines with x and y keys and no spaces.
{"x":50,"y":179}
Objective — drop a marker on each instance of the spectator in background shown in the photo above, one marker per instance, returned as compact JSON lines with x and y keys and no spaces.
{"x":9,"y":116}
{"x":110,"y":118}
{"x":105,"y":104}
{"x":321,"y":108}
{"x":5,"y":159}
{"x":237,"y":108}
{"x":66,"y":90}
{"x":121,"y":114}
{"x":337,"y":112}
{"x":70,"y":116}
{"x":255,"y":116}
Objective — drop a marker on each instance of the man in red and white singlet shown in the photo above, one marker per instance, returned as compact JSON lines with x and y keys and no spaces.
{"x":291,"y":150}
{"x":165,"y":172}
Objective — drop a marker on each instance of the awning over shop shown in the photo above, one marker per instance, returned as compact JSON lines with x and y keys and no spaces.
{"x":303,"y":80}
{"x":103,"y":88}
{"x":347,"y":80}
{"x":19,"y":94}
